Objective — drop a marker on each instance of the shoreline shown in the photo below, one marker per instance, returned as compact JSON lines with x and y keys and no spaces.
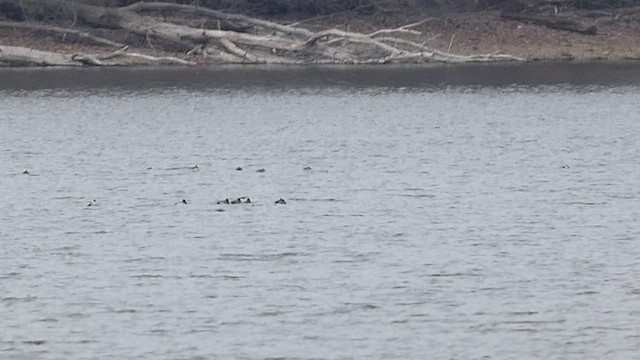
{"x":207,"y":67}
{"x":465,"y":34}
{"x":290,"y":77}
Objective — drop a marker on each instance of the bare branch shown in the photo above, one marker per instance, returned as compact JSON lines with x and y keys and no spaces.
{"x":405,"y":29}
{"x":352,"y":37}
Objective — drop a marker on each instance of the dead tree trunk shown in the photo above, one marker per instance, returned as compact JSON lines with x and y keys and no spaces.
{"x":19,"y":56}
{"x":22,"y":56}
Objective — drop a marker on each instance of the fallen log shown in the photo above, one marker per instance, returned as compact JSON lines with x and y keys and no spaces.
{"x":553,"y":22}
{"x":242,"y":19}
{"x":21,"y":56}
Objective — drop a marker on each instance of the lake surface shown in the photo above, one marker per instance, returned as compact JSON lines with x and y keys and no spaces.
{"x":449,"y":213}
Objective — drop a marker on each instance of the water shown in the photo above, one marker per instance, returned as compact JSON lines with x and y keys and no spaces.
{"x":440,"y":219}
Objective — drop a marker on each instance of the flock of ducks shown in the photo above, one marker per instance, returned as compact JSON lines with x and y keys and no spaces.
{"x":227,"y":201}
{"x":240,"y":200}
{"x":236,"y":201}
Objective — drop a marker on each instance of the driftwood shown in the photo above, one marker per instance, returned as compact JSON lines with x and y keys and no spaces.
{"x":267,"y":42}
{"x":553,"y":22}
{"x":22,"y":56}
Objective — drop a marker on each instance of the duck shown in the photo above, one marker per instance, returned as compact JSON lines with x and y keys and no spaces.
{"x":91,"y":203}
{"x":236,"y":201}
{"x":307,"y":168}
{"x":195,"y":167}
{"x":238,"y":168}
{"x":261,"y":170}
{"x":26,"y":172}
{"x":183,"y":201}
{"x":248,"y":201}
{"x":225,"y":201}
{"x":281,"y":201}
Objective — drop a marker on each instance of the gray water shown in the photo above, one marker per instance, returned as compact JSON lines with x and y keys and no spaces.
{"x":441,"y":219}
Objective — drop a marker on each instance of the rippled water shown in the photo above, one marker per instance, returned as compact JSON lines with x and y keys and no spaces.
{"x":436,"y":222}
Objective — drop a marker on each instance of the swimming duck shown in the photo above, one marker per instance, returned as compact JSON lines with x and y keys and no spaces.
{"x":225,"y":201}
{"x":26,"y":172}
{"x":195,"y":167}
{"x":184,"y":201}
{"x":248,"y":201}
{"x":307,"y":168}
{"x":91,"y":203}
{"x":238,"y":168}
{"x":281,"y":201}
{"x":236,"y":201}
{"x":261,"y":170}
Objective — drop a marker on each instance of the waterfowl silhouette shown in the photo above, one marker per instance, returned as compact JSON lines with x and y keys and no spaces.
{"x":26,"y":172}
{"x":565,"y":166}
{"x":261,"y":170}
{"x":92,"y":203}
{"x":236,"y":201}
{"x":184,"y":201}
{"x":248,"y":201}
{"x":225,"y":201}
{"x":175,"y":168}
{"x":281,"y":201}
{"x":238,"y":168}
{"x":307,"y":168}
